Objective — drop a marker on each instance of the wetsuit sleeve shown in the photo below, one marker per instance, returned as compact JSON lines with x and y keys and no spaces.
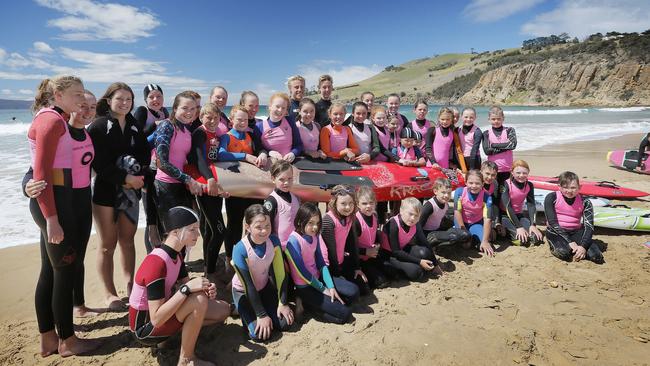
{"x":165,"y":133}
{"x":239,"y":257}
{"x":294,"y":256}
{"x":323,"y":268}
{"x":487,"y":147}
{"x":588,"y":223}
{"x":396,"y":251}
{"x":530,"y":203}
{"x":487,"y":207}
{"x":374,"y":143}
{"x":198,"y":150}
{"x":224,"y":154}
{"x":421,"y":240}
{"x":352,"y":247}
{"x":642,"y":148}
{"x":140,"y":116}
{"x":46,"y":133}
{"x":277,"y":272}
{"x":427,"y":210}
{"x":325,"y":144}
{"x":296,"y":144}
{"x":418,"y":152}
{"x":352,"y":142}
{"x":258,"y":148}
{"x":327,"y":232}
{"x":505,"y":202}
{"x":356,"y":226}
{"x":28,"y":175}
{"x":457,"y":201}
{"x":386,"y":152}
{"x":271,"y":205}
{"x":142,"y":152}
{"x":553,"y":224}
{"x":151,"y":274}
{"x":512,"y":140}
{"x":428,"y":146}
{"x":474,"y":154}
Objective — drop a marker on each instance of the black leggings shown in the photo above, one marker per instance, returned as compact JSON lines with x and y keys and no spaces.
{"x":84,"y":218}
{"x":235,"y":207}
{"x":170,"y":195}
{"x":412,"y":271}
{"x":561,"y":249}
{"x":446,"y":234}
{"x":501,"y":179}
{"x":212,"y":229}
{"x":373,"y":269}
{"x":54,"y":289}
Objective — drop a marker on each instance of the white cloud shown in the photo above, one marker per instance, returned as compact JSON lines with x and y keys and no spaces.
{"x":3,"y":53}
{"x":486,"y":11}
{"x":581,"y":18}
{"x":26,"y":92}
{"x":5,"y":91}
{"x":342,"y":75}
{"x":43,"y":47}
{"x":21,"y":76}
{"x":87,"y":20}
{"x":18,"y":61}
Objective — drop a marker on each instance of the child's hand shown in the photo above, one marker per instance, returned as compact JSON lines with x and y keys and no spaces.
{"x":284,"y":311}
{"x":322,"y":154}
{"x":263,"y":327}
{"x":426,"y":264}
{"x":401,"y":162}
{"x":522,"y":235}
{"x":275,"y":155}
{"x":373,"y":252}
{"x":289,"y":157}
{"x":579,"y":252}
{"x":535,"y":231}
{"x":261,"y":161}
{"x":331,"y":292}
{"x":251,"y":159}
{"x":486,"y":248}
{"x":349,"y":155}
{"x":211,"y":292}
{"x":359,"y":273}
{"x":213,"y":187}
{"x":436,"y":166}
{"x":34,"y":188}
{"x":363,"y":158}
{"x":314,"y":154}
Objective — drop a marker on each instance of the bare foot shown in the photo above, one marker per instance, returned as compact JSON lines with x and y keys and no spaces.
{"x":49,"y":343}
{"x":76,"y":346}
{"x":114,"y":303}
{"x":85,"y":312}
{"x":194,"y":361}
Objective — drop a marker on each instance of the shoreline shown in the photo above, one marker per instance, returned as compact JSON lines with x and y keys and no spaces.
{"x":505,"y":307}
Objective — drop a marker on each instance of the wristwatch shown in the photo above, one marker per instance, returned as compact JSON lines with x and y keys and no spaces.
{"x":185,"y":290}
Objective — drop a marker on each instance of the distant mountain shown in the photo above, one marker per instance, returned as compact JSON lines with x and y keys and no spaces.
{"x":15,"y":104}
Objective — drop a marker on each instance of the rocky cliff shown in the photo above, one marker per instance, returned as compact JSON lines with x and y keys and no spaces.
{"x":591,"y":80}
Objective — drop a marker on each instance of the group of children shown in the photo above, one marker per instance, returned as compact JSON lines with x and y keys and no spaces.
{"x":289,"y":253}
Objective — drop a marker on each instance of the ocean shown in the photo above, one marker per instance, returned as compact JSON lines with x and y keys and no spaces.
{"x":536,"y":127}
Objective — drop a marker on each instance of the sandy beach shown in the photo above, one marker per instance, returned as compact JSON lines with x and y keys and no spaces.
{"x":521,"y":307}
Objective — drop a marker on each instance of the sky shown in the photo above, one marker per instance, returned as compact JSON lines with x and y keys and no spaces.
{"x":257,"y":45}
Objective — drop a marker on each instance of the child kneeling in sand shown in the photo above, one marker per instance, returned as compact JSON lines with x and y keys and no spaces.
{"x":155,"y":312}
{"x":404,"y":248}
{"x":436,"y":224}
{"x":570,"y":222}
{"x":259,"y":287}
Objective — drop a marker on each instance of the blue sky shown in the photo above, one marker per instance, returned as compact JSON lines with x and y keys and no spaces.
{"x":258,"y":44}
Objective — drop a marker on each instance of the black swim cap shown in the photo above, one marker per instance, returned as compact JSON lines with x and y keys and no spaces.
{"x":151,"y":87}
{"x":178,"y":217}
{"x":407,"y":133}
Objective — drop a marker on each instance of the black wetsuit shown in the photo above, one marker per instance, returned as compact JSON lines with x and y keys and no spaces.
{"x":428,"y":147}
{"x":110,"y":144}
{"x":371,"y":267}
{"x":351,"y":261}
{"x":559,"y":238}
{"x":512,"y":220}
{"x":445,"y":234}
{"x":294,"y":109}
{"x":473,"y":161}
{"x":322,"y":106}
{"x":213,"y":229}
{"x":643,"y":146}
{"x":407,"y":259}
